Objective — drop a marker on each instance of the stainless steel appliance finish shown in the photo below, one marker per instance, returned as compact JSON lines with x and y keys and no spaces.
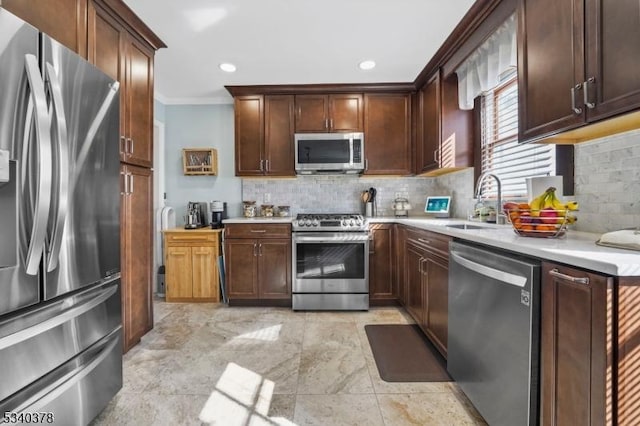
{"x":493,"y":346}
{"x":330,"y":262}
{"x":59,"y":227}
{"x":330,"y":222}
{"x":331,"y":153}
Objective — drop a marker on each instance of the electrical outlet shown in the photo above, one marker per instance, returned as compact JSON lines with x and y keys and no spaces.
{"x":267,"y":197}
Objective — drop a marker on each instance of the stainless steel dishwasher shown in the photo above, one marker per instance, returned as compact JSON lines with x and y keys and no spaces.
{"x":494,"y":332}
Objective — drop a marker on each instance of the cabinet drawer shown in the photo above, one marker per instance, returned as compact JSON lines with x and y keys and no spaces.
{"x":188,"y":237}
{"x":258,"y":230}
{"x":432,"y":241}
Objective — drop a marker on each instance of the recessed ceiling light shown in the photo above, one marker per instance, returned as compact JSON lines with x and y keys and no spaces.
{"x":367,"y":65}
{"x":227,"y":67}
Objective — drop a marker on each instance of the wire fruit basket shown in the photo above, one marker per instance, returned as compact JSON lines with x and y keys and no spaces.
{"x":545,"y":223}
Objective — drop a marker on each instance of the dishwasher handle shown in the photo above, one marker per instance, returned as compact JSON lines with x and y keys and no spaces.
{"x":505,"y":277}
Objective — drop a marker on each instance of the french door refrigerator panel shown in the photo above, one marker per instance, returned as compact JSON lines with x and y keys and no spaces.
{"x":60,"y":292}
{"x":83,"y":247}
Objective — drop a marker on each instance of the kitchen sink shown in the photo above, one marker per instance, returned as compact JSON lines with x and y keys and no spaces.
{"x":467,"y":226}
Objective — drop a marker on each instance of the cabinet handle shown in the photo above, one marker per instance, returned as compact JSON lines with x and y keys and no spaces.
{"x":366,"y":164}
{"x":266,"y":165}
{"x":372,"y":247}
{"x":131,"y":143}
{"x":589,"y":105}
{"x":422,"y":240}
{"x":420,"y":262}
{"x":436,"y":157}
{"x":578,"y":280}
{"x":123,"y":145}
{"x":326,"y":123}
{"x":258,"y":231}
{"x":260,"y":249}
{"x":255,"y":247}
{"x":575,"y":109}
{"x":131,"y":184}
{"x":123,"y":188}
{"x":331,"y":123}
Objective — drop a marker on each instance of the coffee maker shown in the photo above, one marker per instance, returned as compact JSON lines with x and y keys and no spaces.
{"x":218,"y":213}
{"x":196,"y":215}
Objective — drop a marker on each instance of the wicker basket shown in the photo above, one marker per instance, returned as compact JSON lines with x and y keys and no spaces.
{"x":545,"y":223}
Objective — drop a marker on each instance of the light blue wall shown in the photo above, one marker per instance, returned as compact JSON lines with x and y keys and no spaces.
{"x":159,"y":111}
{"x":195,"y":126}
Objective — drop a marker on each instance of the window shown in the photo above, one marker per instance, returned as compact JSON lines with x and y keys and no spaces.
{"x":501,"y":154}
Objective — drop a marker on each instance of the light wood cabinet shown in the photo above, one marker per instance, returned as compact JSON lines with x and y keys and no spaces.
{"x":591,"y":72}
{"x":387,"y":134}
{"x":258,"y":263}
{"x":329,"y":113}
{"x":191,"y":265}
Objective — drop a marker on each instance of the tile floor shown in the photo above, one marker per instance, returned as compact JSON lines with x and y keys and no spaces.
{"x":211,"y":364}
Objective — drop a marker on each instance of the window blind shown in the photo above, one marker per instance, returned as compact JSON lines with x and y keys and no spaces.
{"x":501,"y":153}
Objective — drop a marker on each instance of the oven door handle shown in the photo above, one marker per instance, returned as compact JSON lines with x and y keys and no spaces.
{"x":339,"y":238}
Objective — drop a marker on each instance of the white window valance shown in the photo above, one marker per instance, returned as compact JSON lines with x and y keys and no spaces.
{"x":481,"y":71}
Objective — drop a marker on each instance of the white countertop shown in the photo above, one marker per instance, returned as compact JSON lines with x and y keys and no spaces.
{"x":576,"y":248}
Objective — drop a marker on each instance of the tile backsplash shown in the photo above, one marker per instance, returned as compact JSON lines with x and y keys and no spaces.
{"x":607,"y":183}
{"x":340,"y":194}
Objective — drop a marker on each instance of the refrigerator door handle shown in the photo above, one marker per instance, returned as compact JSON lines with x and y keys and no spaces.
{"x":61,"y":172}
{"x":41,"y":327}
{"x":43,"y":195}
{"x":50,"y":393}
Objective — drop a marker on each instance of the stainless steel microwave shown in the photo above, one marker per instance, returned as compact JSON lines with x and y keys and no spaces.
{"x":329,"y":153}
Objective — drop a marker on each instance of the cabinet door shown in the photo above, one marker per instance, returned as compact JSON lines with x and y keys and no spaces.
{"x":574,"y":347}
{"x":139,"y":103}
{"x":274,"y":269}
{"x":547,"y":75}
{"x":249,"y":129}
{"x":278,"y":137}
{"x":413,"y":261}
{"x":312,"y":113}
{"x":64,"y":20}
{"x":429,"y":132}
{"x":136,"y":253}
{"x":387,"y":133}
{"x":381,"y":272}
{"x":205,"y":273}
{"x":242,"y":269}
{"x":436,"y":270}
{"x":346,"y":113}
{"x":613,"y":57}
{"x":180,"y":271}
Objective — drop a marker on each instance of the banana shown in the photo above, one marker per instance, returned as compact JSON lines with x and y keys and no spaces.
{"x":540,"y":202}
{"x":571,"y":205}
{"x":556,"y":204}
{"x":571,"y":219}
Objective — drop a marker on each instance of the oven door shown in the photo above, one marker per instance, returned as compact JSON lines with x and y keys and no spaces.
{"x":330,"y":262}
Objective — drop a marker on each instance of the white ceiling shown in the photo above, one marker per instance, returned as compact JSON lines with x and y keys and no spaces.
{"x":291,"y":42}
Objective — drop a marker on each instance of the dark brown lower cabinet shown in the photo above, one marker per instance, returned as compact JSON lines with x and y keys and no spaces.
{"x":426,"y":279}
{"x":382,"y":276}
{"x":576,"y":347}
{"x":258,"y":269}
{"x":136,"y":251}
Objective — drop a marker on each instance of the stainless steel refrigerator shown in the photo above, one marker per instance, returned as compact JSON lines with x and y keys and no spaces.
{"x":60,"y":306}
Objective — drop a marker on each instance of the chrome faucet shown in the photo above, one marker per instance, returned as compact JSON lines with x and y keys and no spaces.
{"x":500,"y":217}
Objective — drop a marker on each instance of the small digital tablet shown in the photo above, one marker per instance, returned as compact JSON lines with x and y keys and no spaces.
{"x":438,"y":206}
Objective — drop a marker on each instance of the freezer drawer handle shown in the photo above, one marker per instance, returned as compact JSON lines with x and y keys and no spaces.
{"x":578,"y":280}
{"x":62,"y":165}
{"x":38,"y":102}
{"x":76,"y":311}
{"x":54,"y":390}
{"x":501,"y":276}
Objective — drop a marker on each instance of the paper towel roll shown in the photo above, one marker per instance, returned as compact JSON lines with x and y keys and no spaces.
{"x":537,"y":185}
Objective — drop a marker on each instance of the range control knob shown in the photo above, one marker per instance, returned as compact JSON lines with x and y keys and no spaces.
{"x":315,"y":222}
{"x":344,"y":223}
{"x":352,"y":222}
{"x":294,"y":223}
{"x":307,"y":222}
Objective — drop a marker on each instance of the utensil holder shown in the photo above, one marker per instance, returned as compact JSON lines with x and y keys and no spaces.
{"x":369,"y":209}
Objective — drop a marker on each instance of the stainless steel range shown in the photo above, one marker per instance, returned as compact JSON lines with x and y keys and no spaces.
{"x":330,"y":262}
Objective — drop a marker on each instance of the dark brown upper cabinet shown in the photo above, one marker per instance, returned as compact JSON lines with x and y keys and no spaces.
{"x":444,"y":132}
{"x":387,"y":133}
{"x":264,"y":135}
{"x":578,"y":63}
{"x":329,"y":113}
